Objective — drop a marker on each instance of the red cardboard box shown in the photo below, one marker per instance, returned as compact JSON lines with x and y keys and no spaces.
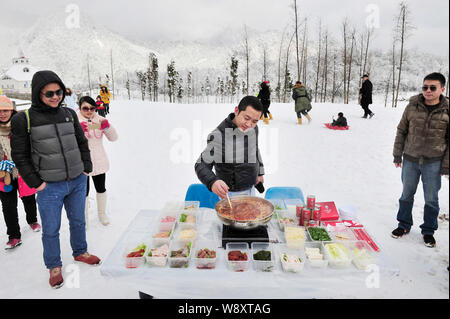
{"x":328,"y":211}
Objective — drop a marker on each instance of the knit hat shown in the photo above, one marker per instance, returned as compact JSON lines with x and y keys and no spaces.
{"x":6,"y":104}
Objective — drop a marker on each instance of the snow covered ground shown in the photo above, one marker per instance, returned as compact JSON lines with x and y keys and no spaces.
{"x":153,"y":160}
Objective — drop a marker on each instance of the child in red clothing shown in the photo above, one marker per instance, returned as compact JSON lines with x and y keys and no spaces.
{"x":100,"y":107}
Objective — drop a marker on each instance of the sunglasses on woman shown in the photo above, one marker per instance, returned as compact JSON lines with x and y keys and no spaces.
{"x":50,"y":94}
{"x":431,"y":87}
{"x":86,"y":108}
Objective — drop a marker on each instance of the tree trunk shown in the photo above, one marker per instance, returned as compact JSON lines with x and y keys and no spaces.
{"x":350,"y":68}
{"x":344,"y":25}
{"x":296,"y":38}
{"x":318,"y":63}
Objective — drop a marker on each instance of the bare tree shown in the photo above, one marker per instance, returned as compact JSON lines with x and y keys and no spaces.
{"x":344,"y":33}
{"x":286,"y":70}
{"x":350,"y":63}
{"x":333,"y":90}
{"x":278,"y":89}
{"x":296,"y":39}
{"x":264,"y":47}
{"x":112,"y":74}
{"x":393,"y":73}
{"x":402,"y":29}
{"x":318,"y":62}
{"x":303,"y":56}
{"x":247,"y":56}
{"x":323,"y":92}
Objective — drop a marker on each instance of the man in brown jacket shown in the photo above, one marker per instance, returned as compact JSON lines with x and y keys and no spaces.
{"x":422,"y":141}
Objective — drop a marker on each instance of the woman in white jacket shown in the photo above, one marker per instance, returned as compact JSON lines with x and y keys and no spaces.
{"x":95,"y":127}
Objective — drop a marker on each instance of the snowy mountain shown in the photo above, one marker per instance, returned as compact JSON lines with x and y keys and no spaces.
{"x":50,"y":44}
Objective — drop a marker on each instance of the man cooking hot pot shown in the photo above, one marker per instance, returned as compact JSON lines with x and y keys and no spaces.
{"x":232,"y":150}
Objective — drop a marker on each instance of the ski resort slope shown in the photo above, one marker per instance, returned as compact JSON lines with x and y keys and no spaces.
{"x":153,"y":162}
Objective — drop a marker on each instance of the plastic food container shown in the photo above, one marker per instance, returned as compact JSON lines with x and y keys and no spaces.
{"x":158,"y":261}
{"x":186,"y":234}
{"x":295,"y":237}
{"x":310,"y":256}
{"x":206,"y":262}
{"x":160,"y":237}
{"x":338,"y":254}
{"x":263,"y":249}
{"x":173,"y":206}
{"x":191,"y":206}
{"x":167,"y":220}
{"x":291,"y":205}
{"x":134,"y":261}
{"x":286,"y":218}
{"x":188,"y":219}
{"x":286,"y":254}
{"x":362,"y":254}
{"x":343,"y":234}
{"x":180,"y":262}
{"x":237,"y":265}
{"x":323,"y":230}
{"x":278,"y":204}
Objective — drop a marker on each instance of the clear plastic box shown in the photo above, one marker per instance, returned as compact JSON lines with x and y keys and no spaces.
{"x":263,"y":265}
{"x":283,"y":215}
{"x":345,"y":257}
{"x":278,"y":204}
{"x":190,"y":206}
{"x":238,"y":265}
{"x":165,"y":225}
{"x":153,"y":260}
{"x":298,"y":238}
{"x":315,"y":263}
{"x":362,"y":254}
{"x":204,"y":263}
{"x":162,"y":240}
{"x":291,"y":266}
{"x":186,"y":234}
{"x":343,"y":234}
{"x":291,"y":205}
{"x":185,"y":225}
{"x":134,"y":262}
{"x":173,"y":206}
{"x":318,"y":227}
{"x":180,"y":262}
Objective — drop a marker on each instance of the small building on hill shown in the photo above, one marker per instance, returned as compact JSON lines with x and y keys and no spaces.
{"x":18,"y":77}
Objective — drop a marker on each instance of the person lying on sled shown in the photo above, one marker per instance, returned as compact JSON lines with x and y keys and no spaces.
{"x":341,"y":120}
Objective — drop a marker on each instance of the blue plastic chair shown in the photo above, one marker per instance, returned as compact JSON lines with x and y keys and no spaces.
{"x":199,"y":192}
{"x":284,"y":192}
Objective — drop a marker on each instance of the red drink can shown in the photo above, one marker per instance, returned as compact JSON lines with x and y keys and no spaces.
{"x":306,"y":216}
{"x":316,"y":213}
{"x":298,"y":210}
{"x":310,"y":201}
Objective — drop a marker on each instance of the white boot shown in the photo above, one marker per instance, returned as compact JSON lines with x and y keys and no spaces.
{"x":101,"y":207}
{"x":86,"y":211}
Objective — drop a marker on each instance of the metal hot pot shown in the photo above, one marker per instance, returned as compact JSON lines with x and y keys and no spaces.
{"x":247,"y":212}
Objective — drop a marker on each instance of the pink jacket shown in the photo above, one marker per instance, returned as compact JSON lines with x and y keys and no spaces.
{"x":100,"y":162}
{"x":24,"y":189}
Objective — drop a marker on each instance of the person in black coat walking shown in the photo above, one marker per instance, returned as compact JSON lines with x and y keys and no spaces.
{"x":366,"y":96}
{"x":264,"y":97}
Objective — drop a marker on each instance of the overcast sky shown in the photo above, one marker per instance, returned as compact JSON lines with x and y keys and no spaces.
{"x":204,"y":19}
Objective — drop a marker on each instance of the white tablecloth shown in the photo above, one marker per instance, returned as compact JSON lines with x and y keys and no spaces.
{"x":224,"y":284}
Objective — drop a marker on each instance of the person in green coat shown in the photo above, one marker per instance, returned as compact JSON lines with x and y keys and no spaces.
{"x":302,"y":101}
